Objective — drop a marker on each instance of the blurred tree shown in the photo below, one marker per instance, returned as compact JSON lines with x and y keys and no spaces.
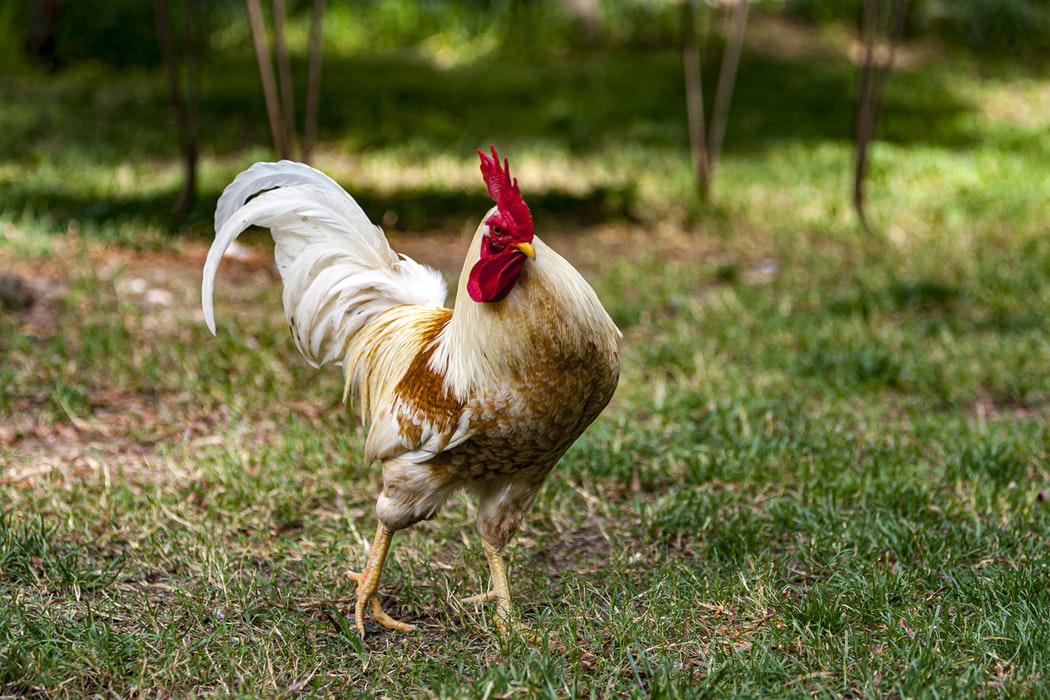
{"x":44,"y":17}
{"x":881,"y":29}
{"x":183,"y":91}
{"x":274,"y":112}
{"x":313,"y":81}
{"x":694,"y":98}
{"x":995,"y":27}
{"x":279,"y":93}
{"x":117,"y":32}
{"x":705,"y":143}
{"x":1014,"y":28}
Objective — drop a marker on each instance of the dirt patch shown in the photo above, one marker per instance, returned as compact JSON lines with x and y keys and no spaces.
{"x":583,"y":550}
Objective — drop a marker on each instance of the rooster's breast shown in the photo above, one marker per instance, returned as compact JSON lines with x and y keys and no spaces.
{"x":522,"y":428}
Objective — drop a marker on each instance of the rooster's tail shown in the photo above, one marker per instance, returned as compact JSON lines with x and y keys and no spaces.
{"x":338,"y":270}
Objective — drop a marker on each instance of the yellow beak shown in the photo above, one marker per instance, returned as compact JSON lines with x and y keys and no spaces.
{"x":526,"y":248}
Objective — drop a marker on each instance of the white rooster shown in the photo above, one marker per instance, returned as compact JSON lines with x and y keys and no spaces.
{"x":485,"y":396}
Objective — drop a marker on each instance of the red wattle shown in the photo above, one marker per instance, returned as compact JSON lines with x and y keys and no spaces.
{"x":492,"y":277}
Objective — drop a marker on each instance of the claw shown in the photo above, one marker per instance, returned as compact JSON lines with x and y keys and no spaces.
{"x":368,"y":583}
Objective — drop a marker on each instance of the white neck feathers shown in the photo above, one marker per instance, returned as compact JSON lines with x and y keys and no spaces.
{"x":550,"y":313}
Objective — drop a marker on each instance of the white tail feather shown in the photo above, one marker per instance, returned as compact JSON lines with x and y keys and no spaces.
{"x":338,"y":270}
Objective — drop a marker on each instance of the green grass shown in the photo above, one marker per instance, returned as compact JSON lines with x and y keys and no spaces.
{"x":824,"y":473}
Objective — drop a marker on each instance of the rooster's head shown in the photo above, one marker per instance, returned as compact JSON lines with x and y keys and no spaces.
{"x":508,"y":241}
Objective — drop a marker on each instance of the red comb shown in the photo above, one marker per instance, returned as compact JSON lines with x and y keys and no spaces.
{"x":504,"y":190}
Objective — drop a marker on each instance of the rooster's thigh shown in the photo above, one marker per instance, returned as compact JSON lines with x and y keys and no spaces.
{"x":502,"y":506}
{"x":411,"y":492}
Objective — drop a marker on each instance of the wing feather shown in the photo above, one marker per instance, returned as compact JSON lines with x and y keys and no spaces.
{"x":411,"y":411}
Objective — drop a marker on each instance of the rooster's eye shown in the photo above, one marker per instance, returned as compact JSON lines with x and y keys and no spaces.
{"x":497,"y":230}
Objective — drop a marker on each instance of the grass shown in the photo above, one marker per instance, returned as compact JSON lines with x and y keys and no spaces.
{"x":824,"y":473}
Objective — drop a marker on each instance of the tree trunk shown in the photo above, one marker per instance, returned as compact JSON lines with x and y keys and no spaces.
{"x":284,"y":75}
{"x":694,"y":98}
{"x":191,"y":144}
{"x":705,"y":142}
{"x":865,"y":126}
{"x":726,"y":81}
{"x":269,"y":83}
{"x":183,"y":107}
{"x":44,"y":19}
{"x":871,"y":89}
{"x":313,"y":81}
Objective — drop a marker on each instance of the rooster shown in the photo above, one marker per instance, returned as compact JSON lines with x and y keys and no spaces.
{"x":486,"y":396}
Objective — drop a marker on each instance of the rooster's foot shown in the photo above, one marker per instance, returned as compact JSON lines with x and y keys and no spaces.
{"x":368,"y":584}
{"x":377,"y":611}
{"x":505,"y":619}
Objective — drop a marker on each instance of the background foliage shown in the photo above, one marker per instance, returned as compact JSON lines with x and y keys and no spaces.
{"x":96,"y":30}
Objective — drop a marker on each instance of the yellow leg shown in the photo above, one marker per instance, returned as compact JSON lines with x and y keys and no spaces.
{"x":500,"y":591}
{"x":368,"y":584}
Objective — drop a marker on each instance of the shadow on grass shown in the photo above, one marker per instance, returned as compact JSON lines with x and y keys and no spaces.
{"x":931,"y":297}
{"x":936,"y":302}
{"x":582,"y":103}
{"x":410,"y":209}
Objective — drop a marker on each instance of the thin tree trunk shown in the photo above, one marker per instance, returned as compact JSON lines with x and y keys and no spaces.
{"x":284,"y":75}
{"x":262,"y":55}
{"x":185,"y":125}
{"x":313,"y":81}
{"x":896,"y":33}
{"x":871,"y":90}
{"x":694,"y":98}
{"x":865,"y":126}
{"x":42,"y":35}
{"x":190,"y":150}
{"x":726,"y":81}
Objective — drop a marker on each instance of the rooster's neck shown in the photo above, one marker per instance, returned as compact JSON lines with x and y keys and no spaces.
{"x":551,"y":314}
